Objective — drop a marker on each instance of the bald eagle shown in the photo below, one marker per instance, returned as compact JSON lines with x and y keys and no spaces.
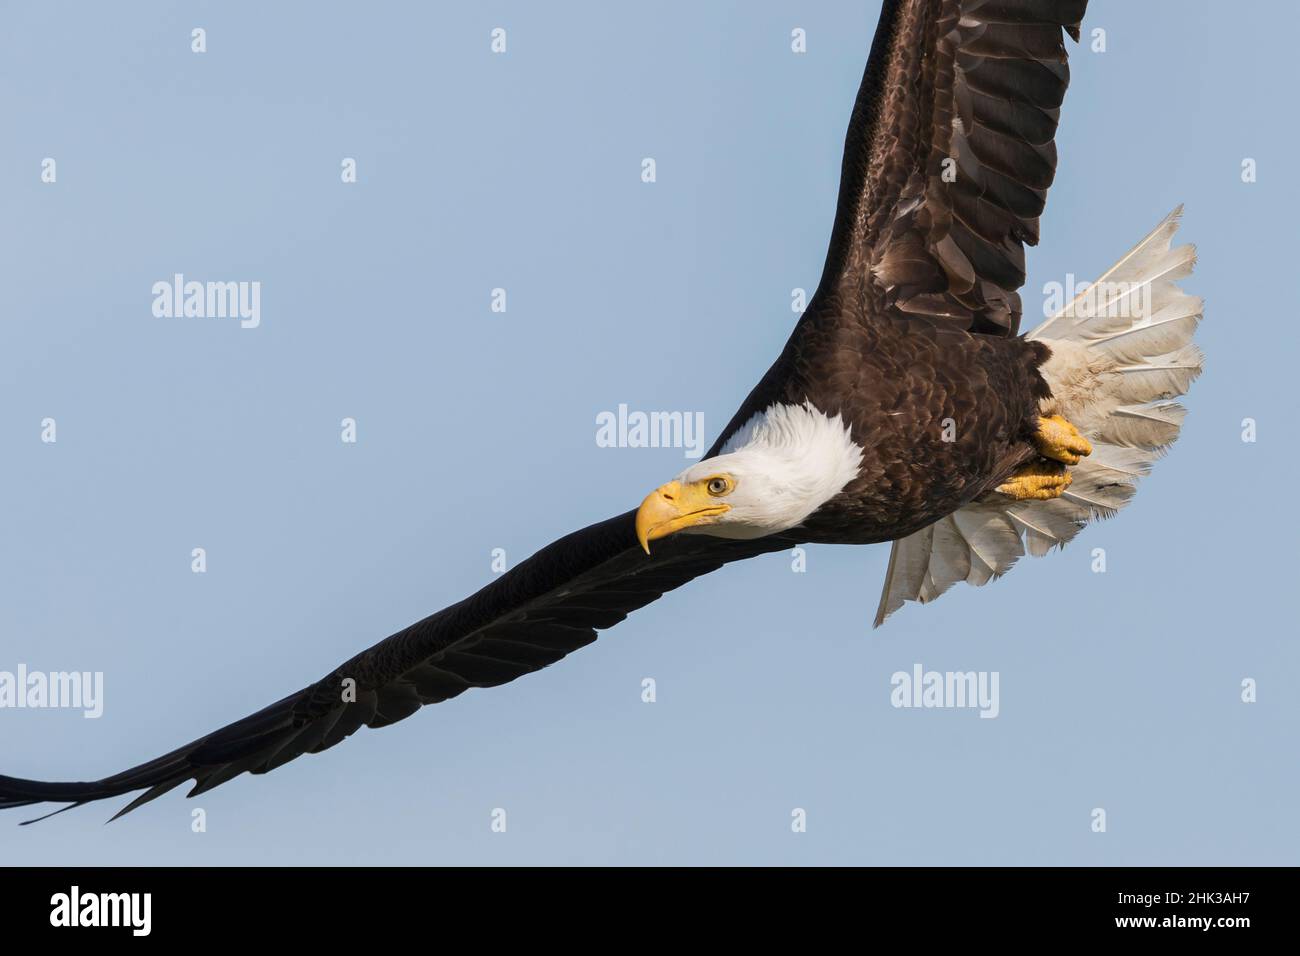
{"x":905,"y":406}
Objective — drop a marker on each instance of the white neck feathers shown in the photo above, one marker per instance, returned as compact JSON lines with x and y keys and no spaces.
{"x":789,"y":461}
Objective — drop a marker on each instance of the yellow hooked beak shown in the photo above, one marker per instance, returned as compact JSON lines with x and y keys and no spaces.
{"x":674,"y":506}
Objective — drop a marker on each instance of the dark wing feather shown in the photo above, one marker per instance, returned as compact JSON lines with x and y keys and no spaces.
{"x":530,"y":617}
{"x":973,"y":87}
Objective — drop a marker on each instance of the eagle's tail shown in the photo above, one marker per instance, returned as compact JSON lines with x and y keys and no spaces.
{"x":1121,"y":353}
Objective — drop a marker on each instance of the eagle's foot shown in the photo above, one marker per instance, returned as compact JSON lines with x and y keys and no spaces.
{"x":1060,"y":441}
{"x":1039,"y":481}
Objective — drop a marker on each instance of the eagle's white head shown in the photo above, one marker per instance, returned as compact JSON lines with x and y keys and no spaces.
{"x":780,"y":467}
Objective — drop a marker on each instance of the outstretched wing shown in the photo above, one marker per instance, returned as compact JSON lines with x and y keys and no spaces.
{"x":948,"y":158}
{"x":530,"y":617}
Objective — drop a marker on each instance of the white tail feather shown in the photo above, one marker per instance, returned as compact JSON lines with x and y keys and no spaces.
{"x":1121,"y":351}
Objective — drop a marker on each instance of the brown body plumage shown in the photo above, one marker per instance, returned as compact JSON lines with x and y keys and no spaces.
{"x":942,"y":415}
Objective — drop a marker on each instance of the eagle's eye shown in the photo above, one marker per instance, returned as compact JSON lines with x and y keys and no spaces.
{"x":719,"y":486}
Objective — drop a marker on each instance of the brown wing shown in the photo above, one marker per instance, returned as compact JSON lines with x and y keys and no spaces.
{"x":530,"y":617}
{"x":948,"y":158}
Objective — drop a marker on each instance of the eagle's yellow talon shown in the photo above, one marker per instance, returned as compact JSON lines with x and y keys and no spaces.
{"x":1060,"y":441}
{"x":1040,"y":481}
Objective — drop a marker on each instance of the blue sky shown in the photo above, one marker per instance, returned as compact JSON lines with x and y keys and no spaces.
{"x":476,"y":431}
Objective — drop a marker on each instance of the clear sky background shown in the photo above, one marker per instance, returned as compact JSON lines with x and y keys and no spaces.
{"x":477,"y":430}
